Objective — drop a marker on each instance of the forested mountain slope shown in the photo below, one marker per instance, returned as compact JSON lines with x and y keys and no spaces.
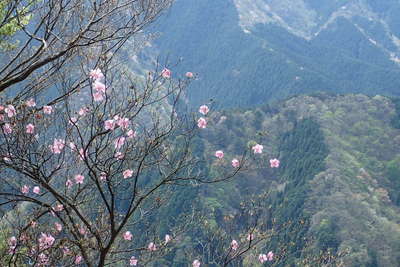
{"x":339,"y":179}
{"x":247,"y":52}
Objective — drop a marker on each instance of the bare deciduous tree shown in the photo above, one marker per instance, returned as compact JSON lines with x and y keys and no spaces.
{"x":83,"y":173}
{"x":63,"y":35}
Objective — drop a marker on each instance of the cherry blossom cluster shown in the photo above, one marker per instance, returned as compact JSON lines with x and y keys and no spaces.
{"x":133,"y":261}
{"x":9,"y":112}
{"x":234,"y":246}
{"x":202,"y":122}
{"x":166,"y":74}
{"x":100,"y":89}
{"x":117,"y":130}
{"x":40,"y":249}
{"x":266,"y":257}
{"x":257,"y":149}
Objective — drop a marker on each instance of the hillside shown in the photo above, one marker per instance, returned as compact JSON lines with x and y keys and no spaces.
{"x":248,"y":52}
{"x":338,"y":181}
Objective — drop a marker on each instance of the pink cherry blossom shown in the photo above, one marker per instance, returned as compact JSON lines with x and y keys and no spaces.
{"x":152,"y":246}
{"x":167,"y":238}
{"x":66,"y":250}
{"x":78,"y":259}
{"x":127,"y":235}
{"x":274,"y":163}
{"x":58,"y":146}
{"x":119,"y":142}
{"x":196,"y":263}
{"x":47,"y":109}
{"x":127,"y":173}
{"x":73,"y":120}
{"x":59,"y":207}
{"x":131,"y":134}
{"x":33,"y":224}
{"x":43,"y":259}
{"x":82,"y":230}
{"x":204,"y":109}
{"x":250,"y":237}
{"x":83,"y":111}
{"x":234,"y":245}
{"x":189,"y":74}
{"x":257,"y":149}
{"x":262,"y":258}
{"x":1,"y":117}
{"x":10,"y":110}
{"x":24,"y":237}
{"x":72,"y":146}
{"x":25,"y":189}
{"x":12,"y":243}
{"x":79,"y":179}
{"x":96,"y":74}
{"x":202,"y":123}
{"x":99,"y":87}
{"x":133,"y":261}
{"x":123,"y":123}
{"x":109,"y":124}
{"x":119,"y":155}
{"x":68,"y":183}
{"x":30,"y":128}
{"x":36,"y":190}
{"x":235,"y":163}
{"x":30,"y":103}
{"x":166,"y":73}
{"x":7,"y":128}
{"x":98,"y":96}
{"x":2,"y":107}
{"x":219,"y":154}
{"x":82,"y":155}
{"x":270,"y":256}
{"x":58,"y":227}
{"x":103,"y":176}
{"x":46,"y":241}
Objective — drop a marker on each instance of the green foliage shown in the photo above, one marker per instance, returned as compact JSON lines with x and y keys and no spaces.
{"x":5,"y":234}
{"x":393,"y":174}
{"x":303,"y":152}
{"x":13,"y":23}
{"x":396,"y":119}
{"x":330,"y":191}
{"x":3,"y":246}
{"x":326,"y":235}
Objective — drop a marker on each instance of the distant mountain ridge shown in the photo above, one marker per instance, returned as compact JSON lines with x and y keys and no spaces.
{"x":308,"y":18}
{"x":251,"y":51}
{"x":339,"y":149}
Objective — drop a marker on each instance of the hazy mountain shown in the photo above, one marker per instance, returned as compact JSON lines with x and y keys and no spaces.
{"x":250,"y":51}
{"x":339,"y":175}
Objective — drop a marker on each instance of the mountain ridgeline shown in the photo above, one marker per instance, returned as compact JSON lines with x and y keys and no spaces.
{"x":248,"y":52}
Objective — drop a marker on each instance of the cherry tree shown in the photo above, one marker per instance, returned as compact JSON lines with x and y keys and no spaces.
{"x":78,"y":175}
{"x":55,"y":37}
{"x":89,"y":150}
